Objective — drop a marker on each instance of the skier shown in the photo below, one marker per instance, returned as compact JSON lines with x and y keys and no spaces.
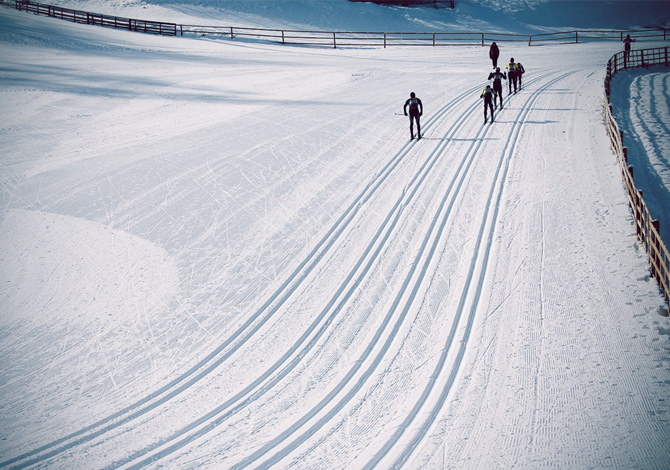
{"x":626,"y":47}
{"x":512,"y":75}
{"x":415,"y":112}
{"x":497,"y":77}
{"x":519,"y":73}
{"x":494,"y":53}
{"x":489,"y":95}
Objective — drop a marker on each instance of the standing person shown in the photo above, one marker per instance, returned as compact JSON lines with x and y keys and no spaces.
{"x":626,"y":47}
{"x":519,"y":73}
{"x":512,"y":75}
{"x":489,"y":95}
{"x":415,"y":112}
{"x":494,"y":53}
{"x":497,"y":77}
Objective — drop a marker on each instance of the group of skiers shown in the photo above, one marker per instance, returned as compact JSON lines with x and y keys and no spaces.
{"x":513,"y":76}
{"x":491,"y":95}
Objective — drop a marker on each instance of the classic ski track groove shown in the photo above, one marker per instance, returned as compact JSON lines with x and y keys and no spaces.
{"x":488,"y":225}
{"x":217,"y":416}
{"x":423,"y":254}
{"x":241,"y":335}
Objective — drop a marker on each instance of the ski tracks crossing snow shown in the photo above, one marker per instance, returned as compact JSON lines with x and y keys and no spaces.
{"x":327,"y":413}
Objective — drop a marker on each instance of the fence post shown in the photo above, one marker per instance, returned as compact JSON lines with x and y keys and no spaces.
{"x":576,"y":37}
{"x":642,"y":57}
{"x":530,"y":38}
{"x":334,"y":41}
{"x":282,"y":37}
{"x":434,"y":35}
{"x":384,"y":40}
{"x":482,"y":39}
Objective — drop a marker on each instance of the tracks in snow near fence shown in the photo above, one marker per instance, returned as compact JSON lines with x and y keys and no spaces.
{"x":435,"y":391}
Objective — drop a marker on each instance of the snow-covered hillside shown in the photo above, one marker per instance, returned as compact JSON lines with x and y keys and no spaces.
{"x":511,"y":16}
{"x":223,"y":254}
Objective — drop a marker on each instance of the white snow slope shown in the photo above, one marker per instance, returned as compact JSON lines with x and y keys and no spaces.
{"x":220,"y":254}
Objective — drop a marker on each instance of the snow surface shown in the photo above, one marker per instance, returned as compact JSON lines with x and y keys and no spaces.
{"x":641,"y":103}
{"x":222,"y":254}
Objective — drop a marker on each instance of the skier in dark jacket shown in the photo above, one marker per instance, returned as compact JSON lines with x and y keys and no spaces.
{"x":415,"y":112}
{"x":519,"y":73}
{"x":494,"y":53}
{"x":489,"y":96}
{"x":512,"y":75}
{"x":497,"y":77}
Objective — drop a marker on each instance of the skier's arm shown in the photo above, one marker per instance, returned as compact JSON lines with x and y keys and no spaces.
{"x":490,"y":76}
{"x":420,"y":107}
{"x":405,"y":107}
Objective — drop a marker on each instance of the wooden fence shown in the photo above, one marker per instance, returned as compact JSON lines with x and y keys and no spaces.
{"x":387,"y":39}
{"x":647,"y":228}
{"x":84,"y":17}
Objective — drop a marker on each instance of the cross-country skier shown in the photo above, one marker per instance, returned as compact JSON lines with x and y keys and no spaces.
{"x":489,"y":95}
{"x":512,"y":75}
{"x":494,"y":53}
{"x":519,"y":73}
{"x":415,"y":112}
{"x":497,"y":77}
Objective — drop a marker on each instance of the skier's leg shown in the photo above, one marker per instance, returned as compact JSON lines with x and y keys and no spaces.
{"x":418,"y":127}
{"x":411,"y":125}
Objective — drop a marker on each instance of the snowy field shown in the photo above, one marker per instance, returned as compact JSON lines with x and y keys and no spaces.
{"x":223,"y":254}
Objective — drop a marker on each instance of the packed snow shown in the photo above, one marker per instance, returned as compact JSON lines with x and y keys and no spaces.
{"x":229,"y":254}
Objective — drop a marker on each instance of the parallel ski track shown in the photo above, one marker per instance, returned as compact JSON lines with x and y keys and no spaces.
{"x":254,"y":391}
{"x":409,"y":289}
{"x":476,"y":273}
{"x":213,"y":360}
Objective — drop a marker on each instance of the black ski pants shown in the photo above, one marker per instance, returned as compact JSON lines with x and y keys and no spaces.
{"x":414,"y":115}
{"x":512,"y":80}
{"x":497,"y":86}
{"x":488,"y":104}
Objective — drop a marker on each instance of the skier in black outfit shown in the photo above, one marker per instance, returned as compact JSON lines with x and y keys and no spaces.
{"x":497,"y":77}
{"x":489,"y":95}
{"x":415,"y":112}
{"x":494,"y":53}
{"x":519,"y":73}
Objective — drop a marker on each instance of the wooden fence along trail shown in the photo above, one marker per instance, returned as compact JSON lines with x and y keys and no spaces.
{"x":646,"y":226}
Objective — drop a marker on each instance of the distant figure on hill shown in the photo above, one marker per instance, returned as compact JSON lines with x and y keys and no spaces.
{"x":494,"y":53}
{"x":498,"y":77}
{"x":512,"y":75}
{"x":519,"y":73}
{"x":627,"y":43}
{"x":489,"y":95}
{"x":415,"y":112}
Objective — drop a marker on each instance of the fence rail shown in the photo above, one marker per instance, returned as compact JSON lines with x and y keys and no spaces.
{"x":97,"y":19}
{"x":646,"y":226}
{"x":387,"y":39}
{"x":332,"y":38}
